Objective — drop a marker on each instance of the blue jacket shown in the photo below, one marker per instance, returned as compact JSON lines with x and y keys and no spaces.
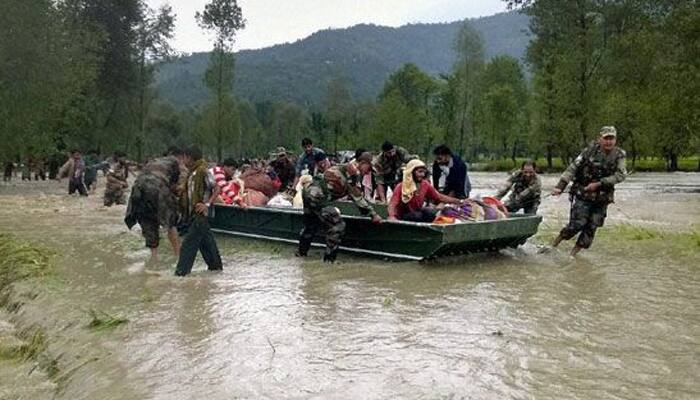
{"x":308,"y":161}
{"x":457,"y":179}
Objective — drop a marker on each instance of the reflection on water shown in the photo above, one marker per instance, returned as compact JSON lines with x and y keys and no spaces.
{"x":619,"y":322}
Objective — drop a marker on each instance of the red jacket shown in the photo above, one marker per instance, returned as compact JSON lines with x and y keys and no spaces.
{"x":397,"y":208}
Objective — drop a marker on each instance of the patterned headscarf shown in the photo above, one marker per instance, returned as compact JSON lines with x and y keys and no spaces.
{"x":409,"y":186}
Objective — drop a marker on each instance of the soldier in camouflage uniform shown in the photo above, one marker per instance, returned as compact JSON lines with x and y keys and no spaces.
{"x":116,"y":177}
{"x":154,"y":202}
{"x":526,"y":189}
{"x":336,"y":182}
{"x":594,"y":174}
{"x":387,"y":166}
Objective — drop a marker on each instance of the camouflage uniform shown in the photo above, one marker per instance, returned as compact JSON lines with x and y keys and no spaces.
{"x":153,"y":203}
{"x":525,"y":195}
{"x":386,"y":170}
{"x":335,"y":183}
{"x":116,"y":183}
{"x":589,"y":209}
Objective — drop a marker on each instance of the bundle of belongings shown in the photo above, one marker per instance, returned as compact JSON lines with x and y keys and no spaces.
{"x":259,"y":187}
{"x":472,"y":210}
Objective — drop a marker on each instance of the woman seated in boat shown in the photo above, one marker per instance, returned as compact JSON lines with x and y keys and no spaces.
{"x":410,"y":196}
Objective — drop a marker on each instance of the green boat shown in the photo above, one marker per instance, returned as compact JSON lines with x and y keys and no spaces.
{"x":392,"y":239}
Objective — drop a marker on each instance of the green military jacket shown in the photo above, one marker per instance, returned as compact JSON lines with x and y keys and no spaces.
{"x":382,"y":166}
{"x":116,"y":177}
{"x":523,"y":191}
{"x":336,"y":182}
{"x":593,"y":165}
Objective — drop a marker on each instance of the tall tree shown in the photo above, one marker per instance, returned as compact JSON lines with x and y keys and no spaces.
{"x":339,"y":108}
{"x":469,"y":48}
{"x":406,"y":111}
{"x":502,"y":106}
{"x":153,"y":32}
{"x":224,"y":18}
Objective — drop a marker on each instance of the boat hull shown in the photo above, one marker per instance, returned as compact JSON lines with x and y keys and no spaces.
{"x":395,"y":239}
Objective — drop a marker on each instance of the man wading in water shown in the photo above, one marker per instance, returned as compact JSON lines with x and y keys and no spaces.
{"x":200,"y":191}
{"x":336,"y":182}
{"x":594,"y":173}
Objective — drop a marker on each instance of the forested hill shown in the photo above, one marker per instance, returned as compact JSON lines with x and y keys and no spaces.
{"x":364,"y":55}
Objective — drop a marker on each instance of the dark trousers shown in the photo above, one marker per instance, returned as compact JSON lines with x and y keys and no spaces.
{"x":77,"y":184}
{"x":326,"y":218}
{"x":425,"y":214}
{"x":584,"y":219}
{"x":198,"y":238}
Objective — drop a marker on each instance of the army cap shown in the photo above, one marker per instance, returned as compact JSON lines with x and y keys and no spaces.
{"x":281,"y":151}
{"x":608,"y":131}
{"x":365,"y":157}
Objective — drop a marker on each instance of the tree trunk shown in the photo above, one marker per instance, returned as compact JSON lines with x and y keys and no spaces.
{"x":672,"y":162}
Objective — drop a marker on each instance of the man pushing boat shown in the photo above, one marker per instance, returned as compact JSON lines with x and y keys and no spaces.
{"x":336,"y":182}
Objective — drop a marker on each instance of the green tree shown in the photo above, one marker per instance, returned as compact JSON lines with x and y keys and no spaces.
{"x":502,"y":106}
{"x":469,"y":48}
{"x":406,"y":111}
{"x":224,"y":18}
{"x":338,"y":108}
{"x":153,"y":32}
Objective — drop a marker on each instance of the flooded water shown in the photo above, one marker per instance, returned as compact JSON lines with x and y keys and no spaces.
{"x":622,"y":321}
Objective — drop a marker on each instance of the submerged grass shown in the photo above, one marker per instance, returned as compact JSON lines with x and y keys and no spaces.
{"x":100,"y":320}
{"x":21,"y":260}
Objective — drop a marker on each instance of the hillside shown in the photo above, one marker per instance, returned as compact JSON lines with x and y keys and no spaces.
{"x":365,"y":55}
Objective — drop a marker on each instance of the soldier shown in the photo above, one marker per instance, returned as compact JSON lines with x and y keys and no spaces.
{"x":336,"y":182}
{"x":525,"y":187}
{"x":387,"y":166}
{"x":284,"y":168}
{"x":154,"y":203}
{"x":594,"y":173}
{"x":116,"y":177}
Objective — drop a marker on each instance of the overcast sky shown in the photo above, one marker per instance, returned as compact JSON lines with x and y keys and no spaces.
{"x":272,"y":22}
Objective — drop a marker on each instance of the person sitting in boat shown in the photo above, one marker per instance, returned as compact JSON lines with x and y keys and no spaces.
{"x":336,"y":182}
{"x":387,"y":167}
{"x":230,"y":186}
{"x":366,"y":183}
{"x":308,"y":160}
{"x":450,"y":173}
{"x":525,"y":187}
{"x":410,"y":196}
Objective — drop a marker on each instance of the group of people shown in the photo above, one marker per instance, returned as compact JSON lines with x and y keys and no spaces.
{"x":81,"y":173}
{"x":175,"y":191}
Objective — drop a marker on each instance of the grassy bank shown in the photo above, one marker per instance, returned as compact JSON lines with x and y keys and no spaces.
{"x":688,"y":164}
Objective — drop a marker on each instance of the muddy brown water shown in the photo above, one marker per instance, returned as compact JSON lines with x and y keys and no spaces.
{"x":620,"y":322}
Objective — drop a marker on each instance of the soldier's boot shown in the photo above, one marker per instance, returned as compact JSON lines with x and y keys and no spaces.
{"x":575,"y":250}
{"x":330,"y":256}
{"x":304,"y":246}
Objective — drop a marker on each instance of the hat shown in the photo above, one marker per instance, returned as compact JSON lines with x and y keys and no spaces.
{"x":608,"y":131}
{"x":280,"y":151}
{"x":365,"y":157}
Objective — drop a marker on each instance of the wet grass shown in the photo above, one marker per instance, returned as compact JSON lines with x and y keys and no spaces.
{"x":628,"y":232}
{"x":20,"y":260}
{"x":100,"y":320}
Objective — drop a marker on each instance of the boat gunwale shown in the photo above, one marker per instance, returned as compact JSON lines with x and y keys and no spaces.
{"x":440,"y":227}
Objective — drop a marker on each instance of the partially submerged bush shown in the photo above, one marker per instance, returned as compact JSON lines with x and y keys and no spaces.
{"x":21,"y":260}
{"x":100,"y":320}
